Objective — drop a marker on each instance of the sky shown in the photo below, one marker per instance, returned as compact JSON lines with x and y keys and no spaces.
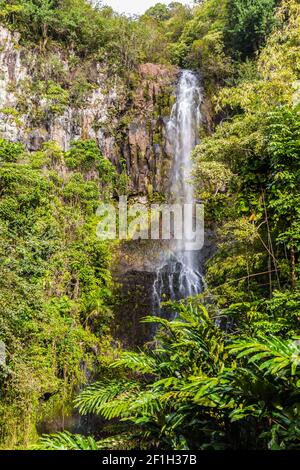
{"x":136,"y":7}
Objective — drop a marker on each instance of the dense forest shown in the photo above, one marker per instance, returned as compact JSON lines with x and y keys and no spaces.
{"x":223,"y":371}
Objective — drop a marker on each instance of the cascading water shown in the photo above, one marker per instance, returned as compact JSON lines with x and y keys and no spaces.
{"x":178,"y":276}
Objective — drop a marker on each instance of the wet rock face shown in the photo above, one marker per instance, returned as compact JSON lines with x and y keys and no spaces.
{"x":147,"y":151}
{"x":134,"y":303}
{"x":135,"y":273}
{"x":126,"y":119}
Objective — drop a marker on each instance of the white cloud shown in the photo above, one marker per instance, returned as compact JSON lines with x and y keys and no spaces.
{"x":136,"y":7}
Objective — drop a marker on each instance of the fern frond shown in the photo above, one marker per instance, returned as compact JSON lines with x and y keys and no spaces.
{"x":95,"y":399}
{"x":272,"y":355}
{"x":147,"y":402}
{"x":139,"y":362}
{"x":66,"y":441}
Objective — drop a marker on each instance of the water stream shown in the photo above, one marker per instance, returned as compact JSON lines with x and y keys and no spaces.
{"x":179,"y":275}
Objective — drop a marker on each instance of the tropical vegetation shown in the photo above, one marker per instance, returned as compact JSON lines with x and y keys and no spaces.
{"x":224,"y":373}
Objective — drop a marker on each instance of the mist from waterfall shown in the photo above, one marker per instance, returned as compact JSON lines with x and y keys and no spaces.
{"x":178,"y":276}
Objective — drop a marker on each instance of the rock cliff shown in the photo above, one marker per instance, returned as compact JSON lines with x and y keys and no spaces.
{"x":52,"y":95}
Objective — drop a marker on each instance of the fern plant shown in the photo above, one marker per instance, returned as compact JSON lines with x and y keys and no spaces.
{"x":67,"y":441}
{"x":198,"y":387}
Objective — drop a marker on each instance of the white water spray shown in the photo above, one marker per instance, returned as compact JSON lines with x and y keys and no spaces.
{"x":178,"y":276}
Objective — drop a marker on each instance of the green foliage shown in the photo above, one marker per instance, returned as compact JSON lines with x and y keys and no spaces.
{"x":272,"y":355}
{"x":84,"y":155}
{"x":204,"y":388}
{"x":219,"y":34}
{"x":204,"y":30}
{"x":66,"y":441}
{"x":90,"y":30}
{"x":160,"y":12}
{"x":57,"y":97}
{"x":283,"y":132}
{"x":255,"y":153}
{"x":10,"y":151}
{"x":249,"y":24}
{"x":222,"y":377}
{"x":230,"y":380}
{"x":43,"y":99}
{"x":55,"y":289}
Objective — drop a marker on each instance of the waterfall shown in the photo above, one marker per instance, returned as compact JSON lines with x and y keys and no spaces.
{"x":179,"y":275}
